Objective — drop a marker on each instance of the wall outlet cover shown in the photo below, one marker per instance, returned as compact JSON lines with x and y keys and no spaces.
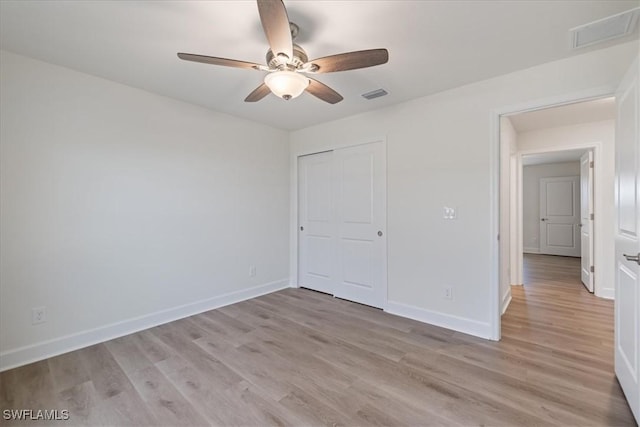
{"x":449,"y":213}
{"x":38,"y":315}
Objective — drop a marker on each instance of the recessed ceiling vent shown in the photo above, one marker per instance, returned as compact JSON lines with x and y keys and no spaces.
{"x":375,"y":94}
{"x":604,"y":29}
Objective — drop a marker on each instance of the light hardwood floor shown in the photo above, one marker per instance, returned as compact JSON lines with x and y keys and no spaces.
{"x":297,"y":357}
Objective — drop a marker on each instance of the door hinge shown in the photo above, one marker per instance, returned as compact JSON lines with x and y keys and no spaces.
{"x":591,"y":216}
{"x":591,"y":164}
{"x":593,"y":270}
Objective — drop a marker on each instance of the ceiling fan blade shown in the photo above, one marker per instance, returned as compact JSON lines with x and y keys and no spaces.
{"x":275,"y":23}
{"x":259,"y":93}
{"x":324,"y":92}
{"x":218,"y":61}
{"x":350,"y":60}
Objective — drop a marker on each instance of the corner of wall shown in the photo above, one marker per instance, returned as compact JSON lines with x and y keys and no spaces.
{"x":606,"y":293}
{"x":505,"y":301}
{"x":443,"y":320}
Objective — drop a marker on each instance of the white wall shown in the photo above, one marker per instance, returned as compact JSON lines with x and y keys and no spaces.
{"x":440,"y":152}
{"x":121,"y":209}
{"x":508,"y":147}
{"x":601,"y":135}
{"x":531,"y":176}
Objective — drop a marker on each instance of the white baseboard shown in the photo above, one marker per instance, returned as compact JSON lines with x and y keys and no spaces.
{"x":506,"y":300}
{"x":531,"y":250}
{"x":45,"y":349}
{"x":608,"y":293}
{"x":460,"y":324}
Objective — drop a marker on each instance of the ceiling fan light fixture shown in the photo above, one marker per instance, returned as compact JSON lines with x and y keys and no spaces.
{"x":287,"y":61}
{"x":286,"y":84}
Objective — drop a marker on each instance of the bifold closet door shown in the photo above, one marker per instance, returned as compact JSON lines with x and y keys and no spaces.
{"x":342,"y":223}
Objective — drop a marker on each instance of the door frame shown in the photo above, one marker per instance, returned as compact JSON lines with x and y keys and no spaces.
{"x":598,"y":227}
{"x":495,"y":176}
{"x":589,"y":177}
{"x":294,"y":252}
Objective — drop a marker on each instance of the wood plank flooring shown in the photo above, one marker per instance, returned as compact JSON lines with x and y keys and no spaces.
{"x":297,"y":357}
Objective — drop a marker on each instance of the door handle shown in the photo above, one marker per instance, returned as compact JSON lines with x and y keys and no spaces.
{"x":633,"y":258}
{"x":544,"y":219}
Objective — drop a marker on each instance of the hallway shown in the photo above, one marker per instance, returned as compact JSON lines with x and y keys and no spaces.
{"x":556,"y":321}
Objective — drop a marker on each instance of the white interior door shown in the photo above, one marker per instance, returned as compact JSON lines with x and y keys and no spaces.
{"x":627,"y":228}
{"x":560,"y":216}
{"x":316,"y":222}
{"x":361,"y":213}
{"x":586,"y":223}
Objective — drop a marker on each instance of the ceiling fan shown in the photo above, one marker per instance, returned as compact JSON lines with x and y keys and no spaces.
{"x":287,"y":62}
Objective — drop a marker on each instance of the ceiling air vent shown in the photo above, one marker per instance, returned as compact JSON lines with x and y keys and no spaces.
{"x":604,"y":29}
{"x":375,"y":94}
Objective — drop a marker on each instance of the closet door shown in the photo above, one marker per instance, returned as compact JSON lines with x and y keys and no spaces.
{"x":316,"y":222}
{"x":342,"y":240}
{"x":361,"y":251}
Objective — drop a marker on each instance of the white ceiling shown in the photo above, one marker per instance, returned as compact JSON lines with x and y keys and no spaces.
{"x":554,"y":157}
{"x":433,"y":45}
{"x":566,"y":115}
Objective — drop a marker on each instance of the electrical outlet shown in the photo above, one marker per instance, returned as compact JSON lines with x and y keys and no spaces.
{"x":449,"y":213}
{"x":38,"y":315}
{"x":252,"y":270}
{"x":448,"y":293}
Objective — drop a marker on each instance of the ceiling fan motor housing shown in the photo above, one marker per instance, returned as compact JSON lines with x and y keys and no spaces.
{"x":299,"y":58}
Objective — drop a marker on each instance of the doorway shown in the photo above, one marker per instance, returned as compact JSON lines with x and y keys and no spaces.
{"x":568,"y":160}
{"x":615,"y":203}
{"x":575,"y":134}
{"x":557,"y":208}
